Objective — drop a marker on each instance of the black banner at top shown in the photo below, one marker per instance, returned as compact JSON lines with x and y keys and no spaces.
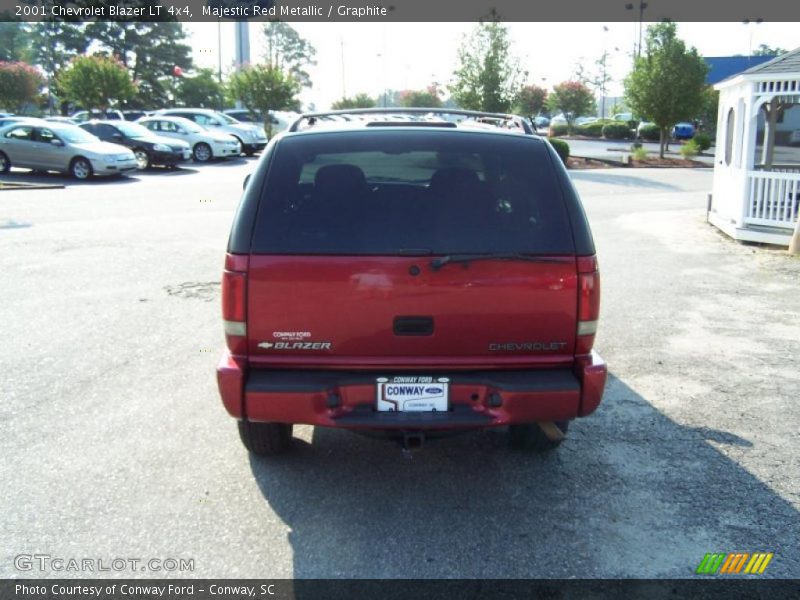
{"x":401,"y":10}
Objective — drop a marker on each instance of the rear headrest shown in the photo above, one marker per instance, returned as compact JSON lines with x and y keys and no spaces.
{"x":340,"y":178}
{"x":453,"y":177}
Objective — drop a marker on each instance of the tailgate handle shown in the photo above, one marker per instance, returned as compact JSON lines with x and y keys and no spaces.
{"x":413,"y":325}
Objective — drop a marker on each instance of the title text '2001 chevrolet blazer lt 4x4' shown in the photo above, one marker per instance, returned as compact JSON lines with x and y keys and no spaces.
{"x":411,"y":279}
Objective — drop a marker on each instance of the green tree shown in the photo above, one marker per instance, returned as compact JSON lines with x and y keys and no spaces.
{"x":667,"y":82}
{"x":201,"y":90}
{"x":52,"y":45}
{"x":96,"y":82}
{"x":488,"y":75}
{"x":358,"y":101}
{"x":531,"y":100}
{"x":262,"y":88}
{"x":427,"y":98}
{"x":20,"y":84}
{"x":150,"y":51}
{"x":764,"y":50}
{"x":571,"y":98}
{"x":14,"y":41}
{"x":288,"y":51}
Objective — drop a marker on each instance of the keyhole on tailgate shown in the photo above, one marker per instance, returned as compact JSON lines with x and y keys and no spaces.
{"x":414,"y":270}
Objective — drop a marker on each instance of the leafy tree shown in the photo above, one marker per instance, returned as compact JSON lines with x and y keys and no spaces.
{"x":201,"y":90}
{"x":52,"y":45}
{"x":358,"y":101}
{"x":709,"y":110}
{"x":764,"y":50}
{"x":289,"y":52}
{"x":597,"y":79}
{"x":488,"y":75}
{"x":427,"y":98}
{"x":14,"y":44}
{"x":531,"y":100}
{"x":96,"y":82}
{"x":571,"y":98}
{"x":20,"y":84}
{"x":263,"y":88}
{"x":667,"y":82}
{"x":150,"y":51}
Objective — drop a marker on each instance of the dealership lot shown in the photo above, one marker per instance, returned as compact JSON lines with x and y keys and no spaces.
{"x":115,"y":443}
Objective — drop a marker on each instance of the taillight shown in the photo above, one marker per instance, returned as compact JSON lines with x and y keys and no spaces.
{"x":234,"y":303}
{"x":588,"y":303}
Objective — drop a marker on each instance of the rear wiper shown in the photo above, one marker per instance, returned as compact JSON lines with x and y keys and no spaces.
{"x":438,"y":263}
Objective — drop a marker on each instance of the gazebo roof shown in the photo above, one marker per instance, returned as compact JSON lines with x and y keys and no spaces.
{"x":785,"y":63}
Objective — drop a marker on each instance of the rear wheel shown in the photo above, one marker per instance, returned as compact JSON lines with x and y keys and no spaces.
{"x":534,"y":436}
{"x":202,"y":152}
{"x":265,"y":438}
{"x":5,"y":164}
{"x":80,"y":168}
{"x":142,"y":159}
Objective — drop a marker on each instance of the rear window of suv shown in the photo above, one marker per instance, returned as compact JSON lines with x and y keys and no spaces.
{"x":404,"y":192}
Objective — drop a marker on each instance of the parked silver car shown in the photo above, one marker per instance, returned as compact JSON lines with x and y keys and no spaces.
{"x":61,"y":147}
{"x":252,"y":138}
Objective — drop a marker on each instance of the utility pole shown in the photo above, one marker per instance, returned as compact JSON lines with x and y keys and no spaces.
{"x":642,"y":7}
{"x":344,"y":88}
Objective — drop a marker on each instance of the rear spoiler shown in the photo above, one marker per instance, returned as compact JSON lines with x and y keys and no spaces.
{"x":517,"y":120}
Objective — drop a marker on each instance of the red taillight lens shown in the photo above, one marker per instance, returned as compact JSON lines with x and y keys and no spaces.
{"x":234,"y":303}
{"x":588,"y":303}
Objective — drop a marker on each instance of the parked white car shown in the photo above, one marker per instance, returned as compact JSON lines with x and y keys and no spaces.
{"x":205,"y":143}
{"x":252,"y":138}
{"x":45,"y":146}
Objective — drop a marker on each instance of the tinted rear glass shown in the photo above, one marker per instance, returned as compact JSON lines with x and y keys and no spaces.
{"x":395,"y":192}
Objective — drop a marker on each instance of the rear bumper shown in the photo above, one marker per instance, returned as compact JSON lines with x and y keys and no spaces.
{"x":346,"y":399}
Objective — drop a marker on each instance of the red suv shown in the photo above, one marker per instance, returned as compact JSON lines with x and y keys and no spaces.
{"x":410,"y":278}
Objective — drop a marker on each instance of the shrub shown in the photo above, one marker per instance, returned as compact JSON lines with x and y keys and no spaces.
{"x":594,"y":130}
{"x":690,"y":149}
{"x":561,"y":147}
{"x":616,"y":131}
{"x":639,"y":153}
{"x":703,"y":141}
{"x":651,"y":133}
{"x":557,"y":130}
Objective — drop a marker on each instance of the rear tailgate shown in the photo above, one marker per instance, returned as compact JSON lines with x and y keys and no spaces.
{"x":398,"y":310}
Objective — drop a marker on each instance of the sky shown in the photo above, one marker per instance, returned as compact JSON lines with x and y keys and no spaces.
{"x":372,"y":57}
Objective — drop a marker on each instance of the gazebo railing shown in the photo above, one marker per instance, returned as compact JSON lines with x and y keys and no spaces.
{"x":774,"y":198}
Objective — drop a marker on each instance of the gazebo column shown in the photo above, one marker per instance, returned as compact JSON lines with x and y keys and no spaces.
{"x":748,"y":150}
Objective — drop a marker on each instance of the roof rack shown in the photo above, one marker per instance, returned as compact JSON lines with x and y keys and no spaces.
{"x":313,"y":116}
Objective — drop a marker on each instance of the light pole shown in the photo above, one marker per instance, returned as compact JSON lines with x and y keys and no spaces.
{"x":747,"y":23}
{"x":642,"y":7}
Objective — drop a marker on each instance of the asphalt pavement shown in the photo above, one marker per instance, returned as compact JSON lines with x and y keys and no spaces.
{"x":114,"y":442}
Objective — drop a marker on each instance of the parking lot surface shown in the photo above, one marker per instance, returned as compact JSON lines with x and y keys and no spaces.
{"x":114,"y":442}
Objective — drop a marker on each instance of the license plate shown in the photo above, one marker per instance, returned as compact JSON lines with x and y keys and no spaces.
{"x":412,"y":394}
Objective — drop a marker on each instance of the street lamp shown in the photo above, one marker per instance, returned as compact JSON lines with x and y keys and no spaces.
{"x":747,"y":23}
{"x":642,"y":7}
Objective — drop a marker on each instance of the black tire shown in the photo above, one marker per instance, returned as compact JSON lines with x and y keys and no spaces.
{"x":265,"y":438}
{"x":5,"y":164}
{"x":202,"y":152}
{"x":249,"y":152}
{"x":142,"y":159}
{"x":530,"y":437}
{"x":241,"y":145}
{"x":80,"y":168}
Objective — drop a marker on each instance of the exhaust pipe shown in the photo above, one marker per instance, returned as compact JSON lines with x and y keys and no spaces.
{"x":413,"y":441}
{"x":551,"y":430}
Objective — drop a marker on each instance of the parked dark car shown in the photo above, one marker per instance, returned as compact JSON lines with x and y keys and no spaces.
{"x":149,"y":149}
{"x":412,"y":280}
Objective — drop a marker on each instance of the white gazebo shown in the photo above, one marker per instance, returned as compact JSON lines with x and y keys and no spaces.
{"x":756,"y":190}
